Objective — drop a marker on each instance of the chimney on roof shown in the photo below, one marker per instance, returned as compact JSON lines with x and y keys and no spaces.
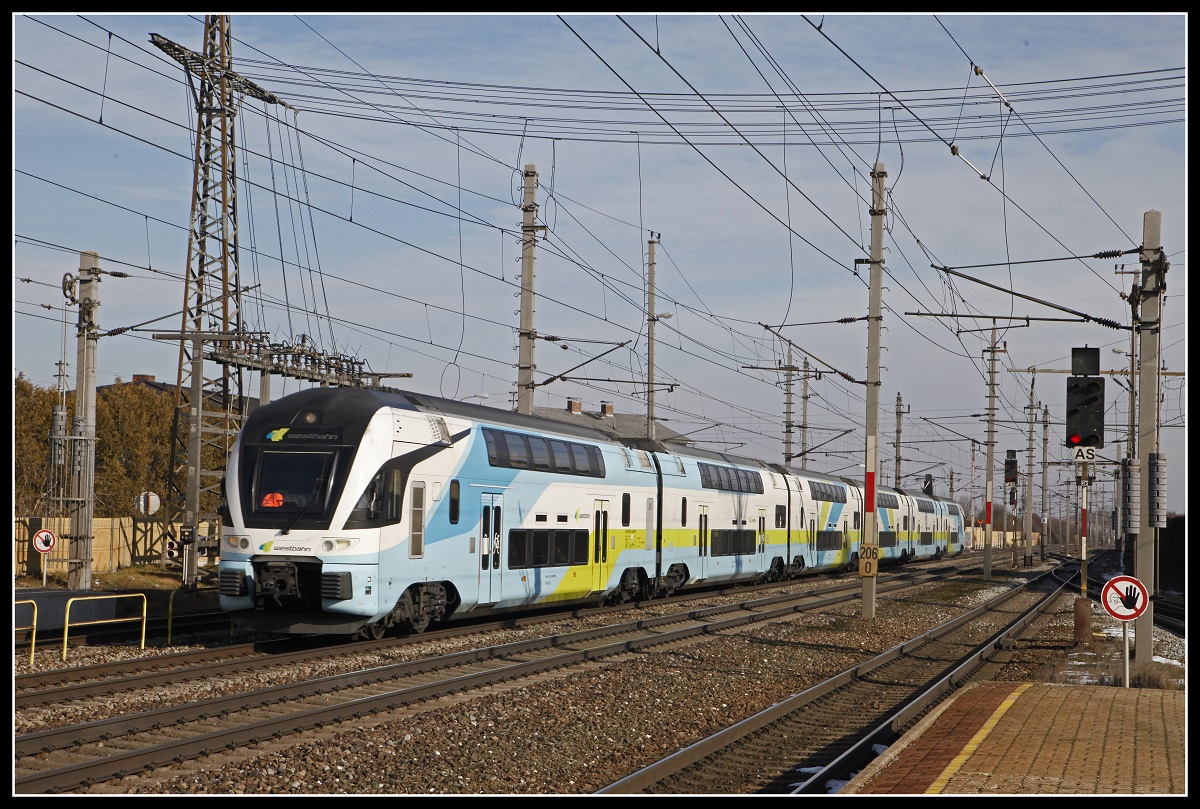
{"x":143,"y":377}
{"x":574,"y":406}
{"x":606,"y":409}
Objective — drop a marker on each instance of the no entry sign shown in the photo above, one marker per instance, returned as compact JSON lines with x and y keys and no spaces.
{"x":1124,"y":597}
{"x":44,"y":541}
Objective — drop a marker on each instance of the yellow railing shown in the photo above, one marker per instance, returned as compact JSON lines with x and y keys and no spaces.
{"x":67,"y":617}
{"x":33,"y":626}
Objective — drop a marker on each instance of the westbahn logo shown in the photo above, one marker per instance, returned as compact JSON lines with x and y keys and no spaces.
{"x":277,"y":435}
{"x":273,"y":547}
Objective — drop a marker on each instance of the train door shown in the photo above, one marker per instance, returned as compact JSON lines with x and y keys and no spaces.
{"x":491,"y":533}
{"x":908,"y":522}
{"x":600,"y":546}
{"x":702,"y":544}
{"x":762,"y":539}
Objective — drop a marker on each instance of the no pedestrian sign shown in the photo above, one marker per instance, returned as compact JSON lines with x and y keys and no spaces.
{"x":44,"y":541}
{"x":1124,"y":597}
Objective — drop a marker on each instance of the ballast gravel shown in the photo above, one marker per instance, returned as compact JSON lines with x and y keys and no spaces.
{"x":564,"y":733}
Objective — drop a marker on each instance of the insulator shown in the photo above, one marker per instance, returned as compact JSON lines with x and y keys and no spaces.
{"x":1157,"y":494}
{"x":1130,"y":496}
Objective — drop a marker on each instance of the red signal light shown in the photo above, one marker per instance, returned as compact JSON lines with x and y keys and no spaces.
{"x":1074,"y":440}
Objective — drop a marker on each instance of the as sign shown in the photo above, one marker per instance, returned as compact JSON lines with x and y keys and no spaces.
{"x":1084,"y":454}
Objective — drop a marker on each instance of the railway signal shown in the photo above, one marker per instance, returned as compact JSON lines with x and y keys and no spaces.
{"x":1085,"y":411}
{"x":1010,"y":466}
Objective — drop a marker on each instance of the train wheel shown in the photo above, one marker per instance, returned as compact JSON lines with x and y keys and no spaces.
{"x":372,"y":631}
{"x":419,"y":623}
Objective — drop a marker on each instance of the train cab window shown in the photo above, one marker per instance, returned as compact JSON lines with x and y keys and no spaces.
{"x":417,"y":512}
{"x":625,"y":509}
{"x":454,"y":502}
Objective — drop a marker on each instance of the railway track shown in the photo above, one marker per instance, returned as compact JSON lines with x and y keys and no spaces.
{"x":829,"y":731}
{"x":71,"y":758}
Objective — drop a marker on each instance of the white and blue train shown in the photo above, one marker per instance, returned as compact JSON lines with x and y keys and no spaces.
{"x":351,"y":511}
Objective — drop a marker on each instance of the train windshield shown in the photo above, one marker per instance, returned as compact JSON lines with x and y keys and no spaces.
{"x":292,"y":482}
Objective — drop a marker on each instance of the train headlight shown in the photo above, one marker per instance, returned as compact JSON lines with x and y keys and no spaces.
{"x":337,"y":544}
{"x":237,"y":543}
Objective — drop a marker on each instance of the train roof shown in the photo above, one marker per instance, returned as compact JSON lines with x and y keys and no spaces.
{"x":586,"y":426}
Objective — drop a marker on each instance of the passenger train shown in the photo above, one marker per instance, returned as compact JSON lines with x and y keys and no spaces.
{"x":353,"y":510}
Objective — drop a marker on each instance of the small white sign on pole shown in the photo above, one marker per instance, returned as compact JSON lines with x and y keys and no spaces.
{"x":44,"y":542}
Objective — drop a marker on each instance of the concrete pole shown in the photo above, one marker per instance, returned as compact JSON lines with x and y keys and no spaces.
{"x":787,"y":409}
{"x":1028,"y":522}
{"x":899,"y":413}
{"x":1153,"y":284}
{"x":990,"y":484}
{"x":1045,"y":481}
{"x":79,"y":562}
{"x":651,"y":319}
{"x":525,"y":366}
{"x":874,"y":330}
{"x":972,"y":495}
{"x":804,"y":420}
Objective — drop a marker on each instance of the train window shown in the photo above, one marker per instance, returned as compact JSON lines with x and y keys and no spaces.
{"x":625,"y":509}
{"x":780,"y":516}
{"x":679,"y":465}
{"x":856,"y":521}
{"x":393,"y":494}
{"x":597,"y":459}
{"x":523,"y":451}
{"x":905,"y":526}
{"x":539,"y":548}
{"x":416,"y":546}
{"x":541,"y":518}
{"x":539,"y":453}
{"x":583,"y":463}
{"x":561,"y":551}
{"x":454,"y":502}
{"x":561,"y":518}
{"x":683,"y":512}
{"x":518,"y":549}
{"x":493,"y":449}
{"x":518,"y":450}
{"x":579,"y":547}
{"x":644,"y":459}
{"x":562,"y":457}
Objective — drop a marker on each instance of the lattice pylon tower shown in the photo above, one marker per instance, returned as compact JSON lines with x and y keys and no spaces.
{"x":208,"y":409}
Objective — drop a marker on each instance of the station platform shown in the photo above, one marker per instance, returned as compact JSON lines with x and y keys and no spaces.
{"x":1039,"y":739}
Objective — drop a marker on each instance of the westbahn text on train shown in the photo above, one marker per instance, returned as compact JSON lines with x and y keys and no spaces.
{"x":353,"y":510}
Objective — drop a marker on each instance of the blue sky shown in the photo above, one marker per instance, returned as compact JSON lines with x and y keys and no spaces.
{"x":745,"y":141}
